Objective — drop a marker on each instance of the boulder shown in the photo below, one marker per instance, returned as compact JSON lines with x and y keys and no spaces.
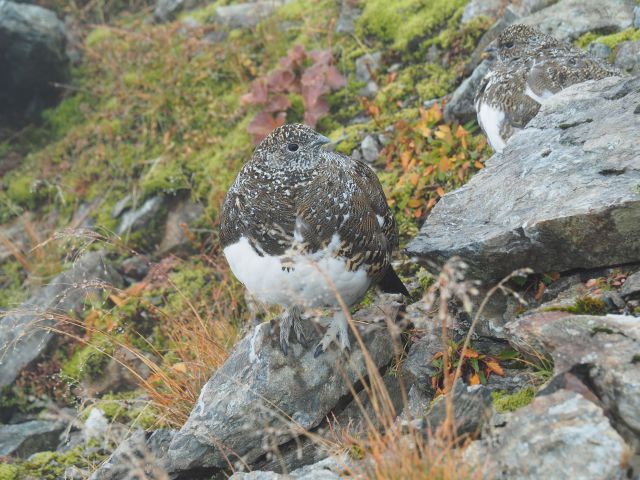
{"x":367,"y":67}
{"x":569,"y":19}
{"x":24,"y":439}
{"x":631,"y":288}
{"x":261,"y":399}
{"x":461,"y":105}
{"x":628,"y":56}
{"x":326,"y":469}
{"x":180,"y":220}
{"x":246,"y":15}
{"x":25,"y":334}
{"x":32,"y":59}
{"x":563,"y":194}
{"x":599,"y":352}
{"x":558,"y":436}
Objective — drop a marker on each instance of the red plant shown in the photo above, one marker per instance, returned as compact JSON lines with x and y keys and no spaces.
{"x":310,"y":74}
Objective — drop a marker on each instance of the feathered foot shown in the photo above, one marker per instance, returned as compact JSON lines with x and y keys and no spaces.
{"x":290,"y":320}
{"x":338,"y":333}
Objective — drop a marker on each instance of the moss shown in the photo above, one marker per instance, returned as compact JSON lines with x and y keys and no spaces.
{"x":509,"y":402}
{"x":127,"y":408}
{"x":611,"y":41}
{"x":401,"y":22}
{"x":98,"y":36}
{"x":8,"y":472}
{"x":166,"y":175}
{"x":589,"y":306}
{"x":12,"y":291}
{"x":88,"y":362}
{"x":51,"y":465}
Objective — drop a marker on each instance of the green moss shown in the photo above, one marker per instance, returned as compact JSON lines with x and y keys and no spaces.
{"x":589,"y":306}
{"x":51,"y":465}
{"x":97,"y":36}
{"x":166,"y":175}
{"x":611,"y":41}
{"x":12,"y":291}
{"x":8,"y":472}
{"x":509,"y":402}
{"x":88,"y":362}
{"x":401,"y":22}
{"x":127,"y":408}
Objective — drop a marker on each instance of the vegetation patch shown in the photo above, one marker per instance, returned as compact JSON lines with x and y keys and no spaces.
{"x":505,"y":402}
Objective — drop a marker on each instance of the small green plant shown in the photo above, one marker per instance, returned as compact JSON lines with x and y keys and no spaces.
{"x":509,"y":402}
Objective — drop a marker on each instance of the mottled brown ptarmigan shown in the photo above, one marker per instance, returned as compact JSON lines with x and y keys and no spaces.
{"x":531,"y":67}
{"x":301,"y":224}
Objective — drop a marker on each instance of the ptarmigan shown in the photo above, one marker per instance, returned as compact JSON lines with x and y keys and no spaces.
{"x":300,"y":224}
{"x":531,"y":67}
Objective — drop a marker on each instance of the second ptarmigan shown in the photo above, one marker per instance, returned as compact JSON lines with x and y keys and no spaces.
{"x":302,"y":227}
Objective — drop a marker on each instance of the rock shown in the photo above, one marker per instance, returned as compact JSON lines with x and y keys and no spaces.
{"x":135,"y":268}
{"x":569,"y":19}
{"x":370,"y":149}
{"x":558,"y":436}
{"x":349,"y":13}
{"x":24,"y":334}
{"x":167,"y":10}
{"x":496,"y":8}
{"x":32,"y":58}
{"x":460,"y":107}
{"x":246,"y":15}
{"x":24,"y":439}
{"x":326,"y":469}
{"x":563,"y":194}
{"x":472,"y":408}
{"x":95,"y":426}
{"x":631,"y":288}
{"x":260,"y":398}
{"x":636,"y":17}
{"x":177,"y":226}
{"x":599,"y":50}
{"x":366,"y":68}
{"x":628,"y":56}
{"x":140,"y":218}
{"x":601,"y":352}
{"x":139,"y":453}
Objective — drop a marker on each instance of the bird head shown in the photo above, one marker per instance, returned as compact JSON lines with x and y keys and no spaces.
{"x":519,"y":41}
{"x":293,"y":145}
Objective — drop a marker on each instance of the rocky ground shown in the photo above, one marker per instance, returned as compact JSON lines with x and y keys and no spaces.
{"x":127,"y":350}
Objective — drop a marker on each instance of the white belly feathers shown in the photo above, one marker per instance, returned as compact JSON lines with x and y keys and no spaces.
{"x":491,"y":120}
{"x":305,"y":284}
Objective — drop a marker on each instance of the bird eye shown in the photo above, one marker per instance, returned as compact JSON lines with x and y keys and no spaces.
{"x":508,"y":44}
{"x":292,"y":147}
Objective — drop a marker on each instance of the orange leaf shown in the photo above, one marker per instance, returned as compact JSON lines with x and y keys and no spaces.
{"x":117,"y":300}
{"x":478,"y":165}
{"x":180,"y":367}
{"x":437,"y":355}
{"x":440,"y":192}
{"x":414,"y":203}
{"x":413,"y":179}
{"x":494,"y":367}
{"x":404,"y":160}
{"x":136,"y":289}
{"x":541,"y":288}
{"x":444,"y":164}
{"x":428,"y":171}
{"x":474,"y":379}
{"x":470,"y":353}
{"x":417,"y":213}
{"x":431,"y":203}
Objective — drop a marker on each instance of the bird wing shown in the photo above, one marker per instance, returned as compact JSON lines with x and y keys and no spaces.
{"x":248,"y":211}
{"x":346,"y":199}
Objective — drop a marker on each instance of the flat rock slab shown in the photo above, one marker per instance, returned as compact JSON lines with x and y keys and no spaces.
{"x":25,"y":333}
{"x":24,"y":439}
{"x":558,"y":436}
{"x":564,"y":194}
{"x":598,"y":354}
{"x":260,"y":398}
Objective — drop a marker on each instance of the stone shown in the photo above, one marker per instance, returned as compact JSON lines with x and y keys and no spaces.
{"x":366,"y":68}
{"x":260,"y":399}
{"x":167,"y":10}
{"x":24,"y":439}
{"x":326,"y":469}
{"x":482,"y":8}
{"x":33,"y":59}
{"x":95,"y":426}
{"x":472,"y":408}
{"x":25,"y":334}
{"x":570,"y":19}
{"x":599,"y":50}
{"x":180,"y":220}
{"x":461,"y":107}
{"x":140,"y":453}
{"x":135,"y":268}
{"x":636,"y":17}
{"x":370,"y":149}
{"x":137,"y":219}
{"x":562,"y":435}
{"x":563,"y":195}
{"x":631,"y":288}
{"x":600,"y":352}
{"x":349,"y":13}
{"x":628,"y":57}
{"x":246,"y":15}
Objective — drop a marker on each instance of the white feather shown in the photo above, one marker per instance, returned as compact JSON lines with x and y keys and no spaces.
{"x":533,"y":95}
{"x":309,"y":283}
{"x":491,"y":120}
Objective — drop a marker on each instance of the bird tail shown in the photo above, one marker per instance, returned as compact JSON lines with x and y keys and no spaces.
{"x":391,"y":283}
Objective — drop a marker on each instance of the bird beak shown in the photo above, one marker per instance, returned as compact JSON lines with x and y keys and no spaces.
{"x":489,"y":52}
{"x":321,"y":140}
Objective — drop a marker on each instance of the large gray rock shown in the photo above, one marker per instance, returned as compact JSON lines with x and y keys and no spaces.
{"x":569,"y":19}
{"x":246,"y":15}
{"x":563,"y":194}
{"x":628,"y":56}
{"x":327,"y":469}
{"x":32,"y":58}
{"x":600,"y":352}
{"x":260,"y":399}
{"x":461,"y":106}
{"x":23,"y":439}
{"x":558,"y":436}
{"x":25,"y":334}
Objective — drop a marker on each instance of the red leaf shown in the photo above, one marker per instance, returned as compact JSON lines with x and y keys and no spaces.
{"x":263,"y":124}
{"x":257,"y":95}
{"x":314,"y":113}
{"x":278,"y":103}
